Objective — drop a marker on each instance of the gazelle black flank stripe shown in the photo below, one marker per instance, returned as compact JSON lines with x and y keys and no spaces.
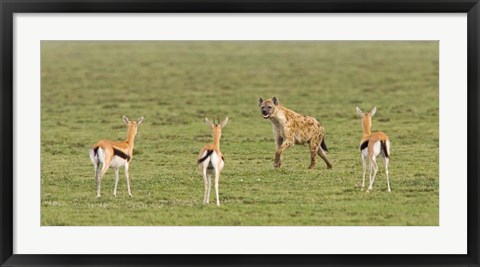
{"x":121,"y":154}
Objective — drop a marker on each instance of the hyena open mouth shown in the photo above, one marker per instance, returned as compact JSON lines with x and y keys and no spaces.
{"x":265,"y":113}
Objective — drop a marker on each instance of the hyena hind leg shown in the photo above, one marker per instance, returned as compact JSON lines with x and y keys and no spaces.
{"x":321,"y":153}
{"x":313,"y":154}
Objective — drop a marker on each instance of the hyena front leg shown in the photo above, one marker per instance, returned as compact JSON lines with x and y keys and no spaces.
{"x":278,"y":143}
{"x":287,"y":142}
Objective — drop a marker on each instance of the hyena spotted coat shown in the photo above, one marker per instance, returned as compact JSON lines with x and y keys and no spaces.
{"x":291,"y":128}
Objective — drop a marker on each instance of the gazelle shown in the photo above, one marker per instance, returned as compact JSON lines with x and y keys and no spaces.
{"x":115,"y":155}
{"x":372,"y":145}
{"x":211,"y":160}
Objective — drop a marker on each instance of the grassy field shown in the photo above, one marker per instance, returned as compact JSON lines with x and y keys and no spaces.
{"x":88,"y":86}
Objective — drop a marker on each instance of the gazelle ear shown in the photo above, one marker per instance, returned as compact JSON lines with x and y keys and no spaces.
{"x":260,"y":101}
{"x":275,"y":101}
{"x":374,"y":109}
{"x":125,"y":119}
{"x":208,"y":123}
{"x":359,"y":112}
{"x":224,"y":122}
{"x":140,"y":120}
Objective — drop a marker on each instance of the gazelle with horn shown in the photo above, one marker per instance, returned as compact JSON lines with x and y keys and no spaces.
{"x":211,"y":159}
{"x":114,"y":154}
{"x":371,"y":146}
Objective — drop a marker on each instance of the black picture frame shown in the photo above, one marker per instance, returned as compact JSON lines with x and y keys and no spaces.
{"x":9,"y":7}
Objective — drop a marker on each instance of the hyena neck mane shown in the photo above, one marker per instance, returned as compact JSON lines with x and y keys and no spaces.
{"x":277,"y":121}
{"x":279,"y":117}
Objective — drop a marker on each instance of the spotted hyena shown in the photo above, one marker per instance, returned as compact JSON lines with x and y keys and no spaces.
{"x":291,"y":128}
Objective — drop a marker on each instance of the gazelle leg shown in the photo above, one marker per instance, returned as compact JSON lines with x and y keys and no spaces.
{"x":100,"y":176}
{"x":364,"y":160}
{"x":128,"y":180}
{"x":375,"y":169}
{"x":205,"y":185}
{"x":116,"y":181}
{"x":97,"y":172}
{"x":217,"y":176}
{"x":386,"y":159}
{"x":209,"y":187}
{"x":370,"y":175}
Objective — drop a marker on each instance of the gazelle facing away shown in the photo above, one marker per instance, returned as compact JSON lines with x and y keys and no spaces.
{"x":211,"y":160}
{"x":115,"y":155}
{"x":372,"y":145}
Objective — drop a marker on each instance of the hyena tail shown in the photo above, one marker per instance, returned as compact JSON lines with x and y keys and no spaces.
{"x":323,"y":145}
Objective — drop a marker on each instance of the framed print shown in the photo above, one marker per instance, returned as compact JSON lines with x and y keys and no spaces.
{"x":141,"y":133}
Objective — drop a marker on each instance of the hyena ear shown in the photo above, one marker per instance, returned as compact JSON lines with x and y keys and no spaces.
{"x":140,"y":120}
{"x":374,"y":109}
{"x":125,"y":119}
{"x":260,"y":101}
{"x":224,"y":122}
{"x":210,"y":124}
{"x":275,"y":101}
{"x":359,"y":112}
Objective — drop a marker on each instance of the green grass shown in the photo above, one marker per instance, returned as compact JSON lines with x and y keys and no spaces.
{"x":88,"y":86}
